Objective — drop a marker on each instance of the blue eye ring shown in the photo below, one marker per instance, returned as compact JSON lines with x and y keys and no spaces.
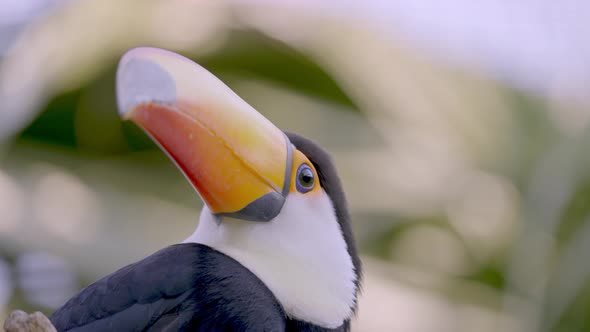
{"x":305,"y":179}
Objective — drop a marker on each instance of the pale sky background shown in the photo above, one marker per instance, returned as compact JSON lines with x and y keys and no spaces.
{"x":539,"y":45}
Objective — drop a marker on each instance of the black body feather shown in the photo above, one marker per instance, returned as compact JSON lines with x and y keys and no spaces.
{"x":185,"y":287}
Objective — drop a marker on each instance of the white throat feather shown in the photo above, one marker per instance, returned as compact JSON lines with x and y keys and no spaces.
{"x":300,"y":255}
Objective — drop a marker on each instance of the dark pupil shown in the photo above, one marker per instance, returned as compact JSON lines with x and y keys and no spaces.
{"x":306,"y":177}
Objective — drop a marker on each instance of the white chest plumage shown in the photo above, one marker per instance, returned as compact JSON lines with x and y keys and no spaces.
{"x":300,"y":255}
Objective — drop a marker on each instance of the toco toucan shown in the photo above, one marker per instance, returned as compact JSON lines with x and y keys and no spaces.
{"x":273,"y":250}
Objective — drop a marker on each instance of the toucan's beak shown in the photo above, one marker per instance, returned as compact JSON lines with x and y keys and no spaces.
{"x":236,"y":159}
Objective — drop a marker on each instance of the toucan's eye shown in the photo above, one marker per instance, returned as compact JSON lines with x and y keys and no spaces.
{"x":305,"y":179}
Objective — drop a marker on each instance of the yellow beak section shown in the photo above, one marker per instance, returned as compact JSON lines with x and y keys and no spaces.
{"x":236,"y":159}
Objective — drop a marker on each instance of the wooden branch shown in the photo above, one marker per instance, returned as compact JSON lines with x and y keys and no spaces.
{"x":20,"y":321}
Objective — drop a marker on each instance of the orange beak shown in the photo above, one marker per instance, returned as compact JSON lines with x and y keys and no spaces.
{"x":237,"y":160}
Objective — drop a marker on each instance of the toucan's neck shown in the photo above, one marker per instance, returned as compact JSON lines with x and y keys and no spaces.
{"x":301,"y":256}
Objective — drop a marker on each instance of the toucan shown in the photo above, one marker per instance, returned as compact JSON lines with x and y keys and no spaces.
{"x":273,"y":249}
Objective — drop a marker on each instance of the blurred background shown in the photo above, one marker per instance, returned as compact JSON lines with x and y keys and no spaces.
{"x":460,"y":130}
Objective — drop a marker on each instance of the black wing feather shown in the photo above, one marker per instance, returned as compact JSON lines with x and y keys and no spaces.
{"x":182,"y":287}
